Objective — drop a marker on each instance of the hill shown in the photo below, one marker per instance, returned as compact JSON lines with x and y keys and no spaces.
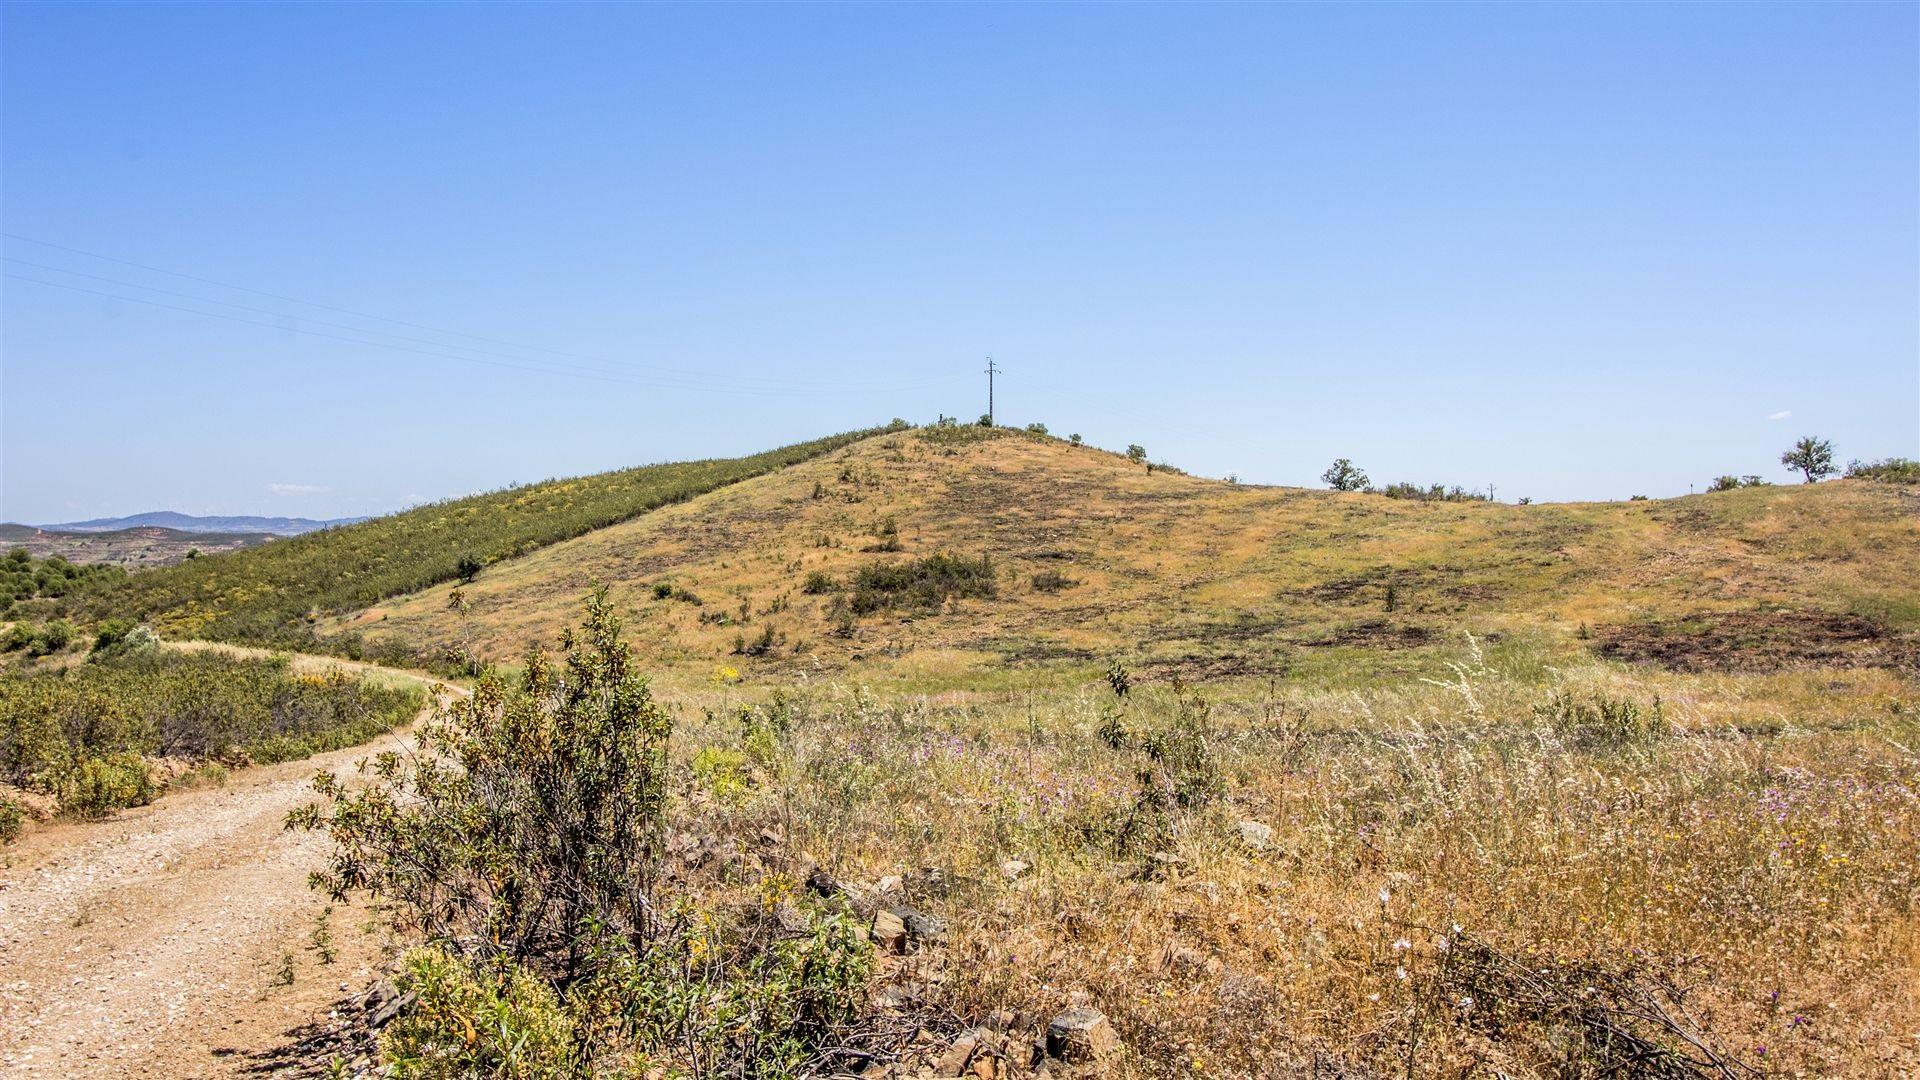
{"x":132,"y":547}
{"x":1092,"y":556}
{"x":272,"y":593}
{"x":168,"y":519}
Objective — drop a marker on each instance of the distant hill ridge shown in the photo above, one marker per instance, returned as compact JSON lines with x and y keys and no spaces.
{"x":170,"y":519}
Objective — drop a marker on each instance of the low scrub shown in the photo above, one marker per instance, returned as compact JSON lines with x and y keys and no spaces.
{"x":1431,"y":493}
{"x":527,"y":847}
{"x":1893,"y":470}
{"x":83,"y":734}
{"x":23,"y":577}
{"x":922,"y":584}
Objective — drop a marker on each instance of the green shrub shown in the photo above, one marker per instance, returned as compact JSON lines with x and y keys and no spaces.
{"x":97,"y":786}
{"x":52,"y":638}
{"x":1893,"y":470}
{"x":17,"y":637}
{"x":470,"y":1022}
{"x":819,"y":583}
{"x":722,"y":772}
{"x":526,"y":844}
{"x":13,"y":818}
{"x":191,"y":705}
{"x":1600,"y":722}
{"x":1432,"y":493}
{"x":922,"y":583}
{"x":886,"y":536}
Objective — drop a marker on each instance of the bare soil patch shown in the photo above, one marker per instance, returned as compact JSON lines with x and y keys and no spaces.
{"x":1760,"y":641}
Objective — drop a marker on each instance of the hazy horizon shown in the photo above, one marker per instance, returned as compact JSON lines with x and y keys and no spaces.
{"x":332,"y":261}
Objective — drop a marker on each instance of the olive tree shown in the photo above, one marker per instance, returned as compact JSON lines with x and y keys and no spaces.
{"x":1343,"y":476}
{"x":1811,"y":457}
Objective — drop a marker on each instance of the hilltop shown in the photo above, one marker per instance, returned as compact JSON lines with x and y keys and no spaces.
{"x":1090,"y":555}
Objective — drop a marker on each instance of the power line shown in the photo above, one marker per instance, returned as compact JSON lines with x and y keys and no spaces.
{"x":991,"y":372}
{"x":765,"y":384}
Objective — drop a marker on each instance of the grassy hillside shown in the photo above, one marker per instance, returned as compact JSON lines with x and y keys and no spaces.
{"x":271,"y":593}
{"x":1092,"y":556}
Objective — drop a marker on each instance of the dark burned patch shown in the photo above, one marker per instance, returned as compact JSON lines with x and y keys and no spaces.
{"x":1375,"y":634}
{"x":1020,"y":654}
{"x":1759,"y":641}
{"x":1195,"y":668}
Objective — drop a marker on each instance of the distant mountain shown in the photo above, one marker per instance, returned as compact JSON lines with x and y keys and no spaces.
{"x":168,"y":519}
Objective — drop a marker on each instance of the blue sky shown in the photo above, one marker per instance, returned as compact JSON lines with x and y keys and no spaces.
{"x":1576,"y":252}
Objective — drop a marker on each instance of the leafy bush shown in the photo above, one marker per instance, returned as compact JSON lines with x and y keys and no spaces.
{"x":1729,"y":483}
{"x":468,"y":568}
{"x":922,"y":583}
{"x":192,"y":705}
{"x":97,"y":786}
{"x":1600,"y":722}
{"x":17,"y":637}
{"x":1893,"y":470}
{"x":525,"y":844}
{"x":13,"y":817}
{"x":819,"y":583}
{"x":267,"y":593}
{"x":52,"y":638}
{"x":519,"y":1028}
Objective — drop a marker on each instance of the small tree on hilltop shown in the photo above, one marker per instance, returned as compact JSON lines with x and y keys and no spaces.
{"x":1811,"y":457}
{"x":1137,"y":454}
{"x":1342,"y":476}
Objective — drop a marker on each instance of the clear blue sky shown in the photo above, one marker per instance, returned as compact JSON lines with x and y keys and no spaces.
{"x":1577,"y":252}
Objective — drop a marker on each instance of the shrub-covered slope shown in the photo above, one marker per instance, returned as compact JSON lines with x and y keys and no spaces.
{"x":270,"y":594}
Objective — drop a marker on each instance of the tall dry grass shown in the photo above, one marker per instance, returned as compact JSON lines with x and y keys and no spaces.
{"x":1485,"y":874}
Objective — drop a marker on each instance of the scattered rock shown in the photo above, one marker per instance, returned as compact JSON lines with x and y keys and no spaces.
{"x":954,"y":1061}
{"x":1014,"y":868}
{"x":389,"y":1011}
{"x":889,"y":931}
{"x":822,"y":883}
{"x":1256,"y":835}
{"x":922,"y":929}
{"x":1081,"y":1035}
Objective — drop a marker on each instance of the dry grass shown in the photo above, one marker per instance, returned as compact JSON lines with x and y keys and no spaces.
{"x":1707,"y":854}
{"x":1745,"y":864}
{"x":1183,"y":575}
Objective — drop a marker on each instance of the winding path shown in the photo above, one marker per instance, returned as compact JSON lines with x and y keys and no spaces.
{"x":160,"y":942}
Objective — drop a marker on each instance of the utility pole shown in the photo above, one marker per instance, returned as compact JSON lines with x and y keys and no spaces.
{"x":991,"y":372}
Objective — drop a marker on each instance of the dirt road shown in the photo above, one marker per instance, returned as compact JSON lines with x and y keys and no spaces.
{"x":175,"y":938}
